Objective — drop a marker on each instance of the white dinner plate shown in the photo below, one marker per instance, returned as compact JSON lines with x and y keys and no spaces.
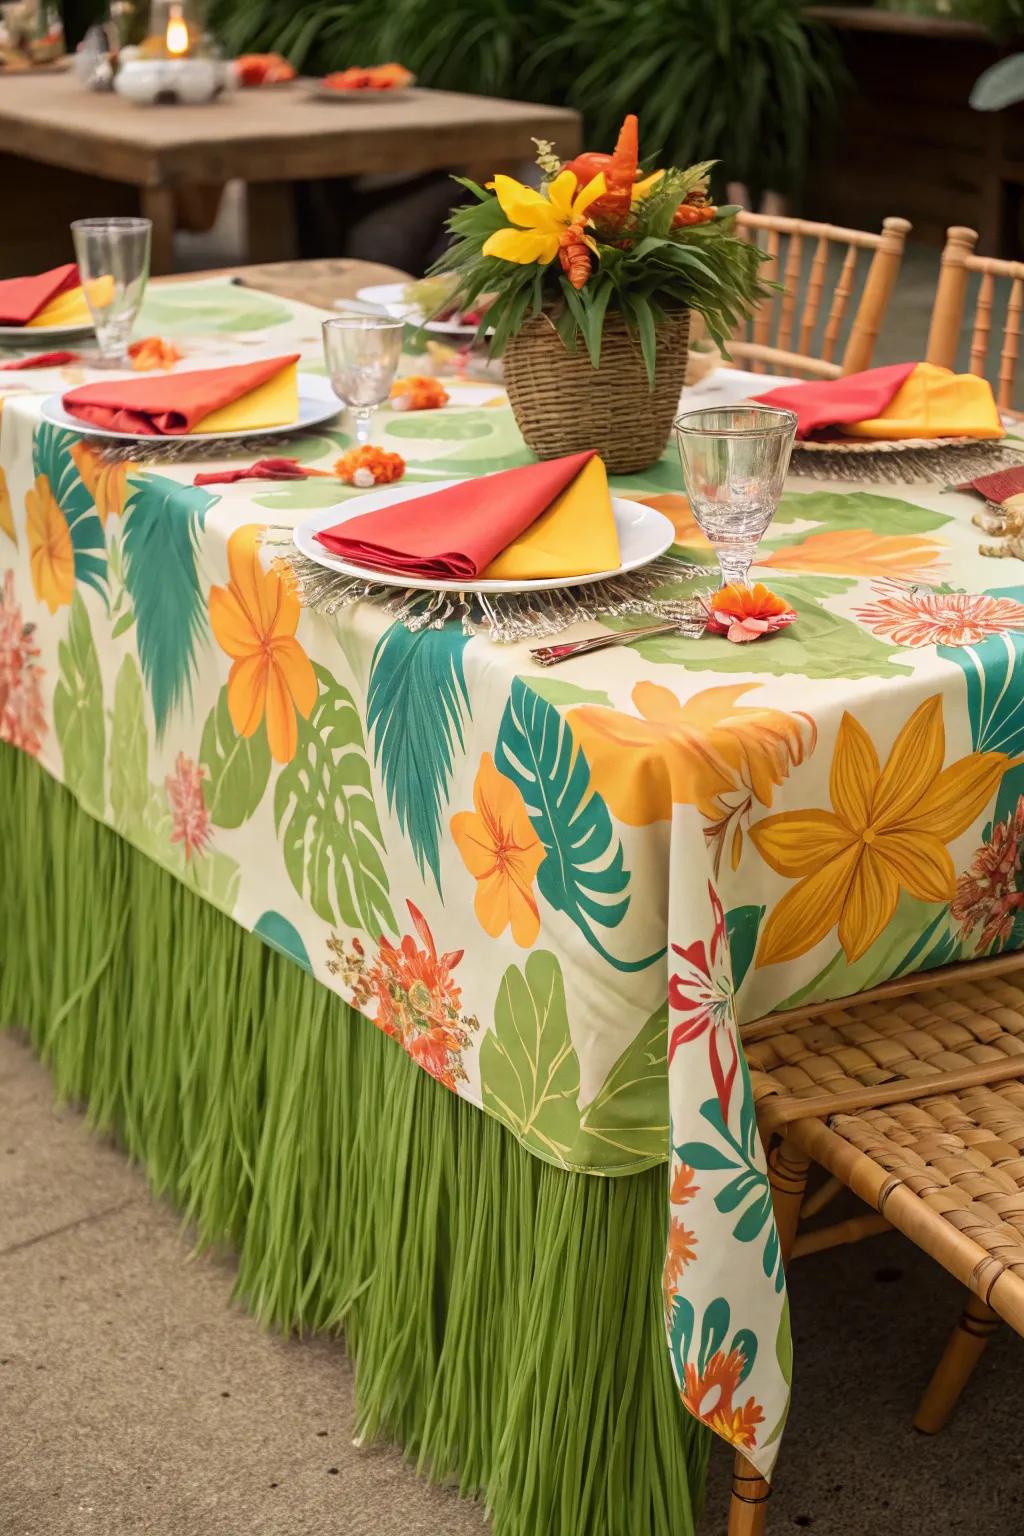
{"x":644,"y":534}
{"x":317,"y":404}
{"x":28,"y":335}
{"x":389,"y":296}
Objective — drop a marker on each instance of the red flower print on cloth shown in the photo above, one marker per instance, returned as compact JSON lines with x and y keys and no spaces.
{"x":22,"y":718}
{"x":989,"y":893}
{"x":190,"y":820}
{"x":701,"y":989}
{"x":417,"y":1001}
{"x":939,"y":618}
{"x":709,"y":1394}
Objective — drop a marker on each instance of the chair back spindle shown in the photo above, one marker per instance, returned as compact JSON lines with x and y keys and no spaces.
{"x":949,"y":313}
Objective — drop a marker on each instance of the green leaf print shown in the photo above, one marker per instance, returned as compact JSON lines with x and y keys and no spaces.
{"x":557,"y":692}
{"x":280,"y":934}
{"x":842,"y":978}
{"x":51,"y":456}
{"x":209,"y":309}
{"x":453,"y":427}
{"x":630,"y":1111}
{"x":78,"y":711}
{"x":305,"y":495}
{"x":237,"y":767}
{"x":414,"y":710}
{"x":327,"y":821}
{"x":211,"y":874}
{"x":529,"y":1072}
{"x":741,"y":925}
{"x":995,"y":704}
{"x":129,"y":750}
{"x":583,"y":873}
{"x":857,"y":509}
{"x":161,"y":521}
{"x":784,"y":1356}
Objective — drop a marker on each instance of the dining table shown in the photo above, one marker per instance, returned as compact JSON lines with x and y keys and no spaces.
{"x":243,"y":831}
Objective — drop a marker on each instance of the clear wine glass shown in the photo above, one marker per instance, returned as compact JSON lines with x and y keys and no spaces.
{"x":362,"y":352}
{"x":734,"y":461}
{"x":113,"y":263}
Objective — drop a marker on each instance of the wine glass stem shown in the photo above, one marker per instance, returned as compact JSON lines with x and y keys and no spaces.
{"x":735,"y":566}
{"x":363,"y":418}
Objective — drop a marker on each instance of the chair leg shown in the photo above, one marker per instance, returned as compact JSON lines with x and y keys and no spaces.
{"x":966,"y":1345}
{"x":787,"y":1174}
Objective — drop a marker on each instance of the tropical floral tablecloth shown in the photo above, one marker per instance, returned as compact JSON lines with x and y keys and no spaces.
{"x":558,"y":891}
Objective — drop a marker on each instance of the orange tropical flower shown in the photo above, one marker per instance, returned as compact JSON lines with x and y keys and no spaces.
{"x":153,"y":352}
{"x":707,"y":751}
{"x":107,"y":484}
{"x":740,"y":1426}
{"x":503,"y":853}
{"x":683,"y":1188}
{"x":254,"y":619}
{"x":681,"y":1251}
{"x":940,"y":618}
{"x":368,"y":466}
{"x":6,"y":510}
{"x":709,"y":1394}
{"x":858,"y":552}
{"x":746,"y":613}
{"x":51,"y":553}
{"x":887,"y":831}
{"x":418,"y":392}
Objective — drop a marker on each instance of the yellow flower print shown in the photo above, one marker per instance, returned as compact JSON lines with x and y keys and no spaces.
{"x":502,"y":851}
{"x":51,"y":553}
{"x":543,"y":217}
{"x":254,"y":619}
{"x":107,"y":484}
{"x":887,"y":831}
{"x":6,"y":510}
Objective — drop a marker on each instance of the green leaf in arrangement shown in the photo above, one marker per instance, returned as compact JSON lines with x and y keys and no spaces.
{"x":129,"y":750}
{"x":629,"y":1115}
{"x":326,"y":818}
{"x":415,"y":706}
{"x":529,"y":1071}
{"x":583,"y":873}
{"x":161,"y":521}
{"x":237,"y":767}
{"x":78,"y":711}
{"x":52,"y":457}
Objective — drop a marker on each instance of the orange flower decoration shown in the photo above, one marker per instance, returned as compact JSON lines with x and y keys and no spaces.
{"x":107,"y":484}
{"x":683,"y":1188}
{"x":153,"y":352}
{"x":254,"y":619}
{"x":709,"y":1394}
{"x":502,"y":851}
{"x":51,"y":553}
{"x":369,"y":466}
{"x":747,"y":613}
{"x":681,"y":1251}
{"x":419,"y":392}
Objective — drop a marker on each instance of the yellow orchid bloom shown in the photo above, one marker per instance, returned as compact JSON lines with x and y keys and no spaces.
{"x":644,"y":188}
{"x":542,"y":217}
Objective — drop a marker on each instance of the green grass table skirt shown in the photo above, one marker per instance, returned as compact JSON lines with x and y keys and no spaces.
{"x":504,"y":1317}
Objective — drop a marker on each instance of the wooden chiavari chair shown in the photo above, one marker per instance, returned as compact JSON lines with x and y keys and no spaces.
{"x":788,"y":333}
{"x":949,"y":312}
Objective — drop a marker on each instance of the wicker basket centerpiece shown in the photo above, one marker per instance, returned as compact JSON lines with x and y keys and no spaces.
{"x":586,"y":287}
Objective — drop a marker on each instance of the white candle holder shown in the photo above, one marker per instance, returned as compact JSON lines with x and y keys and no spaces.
{"x":188,"y":81}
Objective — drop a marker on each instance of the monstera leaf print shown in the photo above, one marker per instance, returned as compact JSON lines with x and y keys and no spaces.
{"x":629,"y":1114}
{"x":129,"y":750}
{"x":162,"y":519}
{"x":992,"y":669}
{"x":327,"y":821}
{"x":52,"y":459}
{"x":529,"y":1071}
{"x":78,"y":711}
{"x":583,"y":874}
{"x":237,"y":767}
{"x":415,"y":706}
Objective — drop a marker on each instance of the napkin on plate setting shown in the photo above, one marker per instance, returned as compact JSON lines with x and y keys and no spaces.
{"x":71,"y":308}
{"x":22,"y":299}
{"x":903,"y":400}
{"x":545,"y":520}
{"x":245,"y":397}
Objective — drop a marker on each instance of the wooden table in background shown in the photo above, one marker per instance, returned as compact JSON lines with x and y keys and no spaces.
{"x":267,"y":138}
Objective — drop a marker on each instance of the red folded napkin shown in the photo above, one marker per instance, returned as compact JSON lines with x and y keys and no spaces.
{"x":41,"y":360}
{"x":263,"y":469}
{"x":454,"y":534}
{"x":998,"y":486}
{"x":169,"y":405}
{"x":21,"y":298}
{"x":824,"y":403}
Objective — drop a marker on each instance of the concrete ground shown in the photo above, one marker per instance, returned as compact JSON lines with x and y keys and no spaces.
{"x":134,"y":1401}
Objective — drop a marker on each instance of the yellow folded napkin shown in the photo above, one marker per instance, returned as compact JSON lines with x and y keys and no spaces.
{"x":71,"y":308}
{"x":934,"y":402}
{"x":274,"y":403}
{"x":576,"y":536}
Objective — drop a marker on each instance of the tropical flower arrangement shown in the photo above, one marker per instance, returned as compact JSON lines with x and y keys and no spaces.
{"x":600,"y":236}
{"x":589,"y":281}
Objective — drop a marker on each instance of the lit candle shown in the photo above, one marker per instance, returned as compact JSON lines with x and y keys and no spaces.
{"x":177,"y":33}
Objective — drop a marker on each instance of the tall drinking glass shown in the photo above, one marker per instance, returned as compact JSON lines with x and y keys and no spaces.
{"x":113,"y":263}
{"x":734,"y":461}
{"x":361,"y":353}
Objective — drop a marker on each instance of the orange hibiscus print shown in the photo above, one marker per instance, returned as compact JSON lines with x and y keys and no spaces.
{"x":887,"y":831}
{"x":858,"y":552}
{"x":107,"y":484}
{"x":708,"y":751}
{"x":254,"y":619}
{"x":51,"y":553}
{"x":503,"y":853}
{"x":709,"y":1394}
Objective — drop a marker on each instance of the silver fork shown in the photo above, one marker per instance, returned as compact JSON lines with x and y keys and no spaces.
{"x":690,"y":625}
